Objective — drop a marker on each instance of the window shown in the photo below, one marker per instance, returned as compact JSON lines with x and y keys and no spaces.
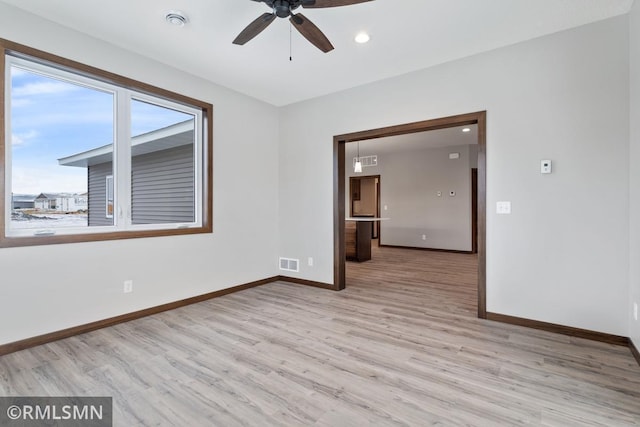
{"x":100,"y":156}
{"x":108,"y":201}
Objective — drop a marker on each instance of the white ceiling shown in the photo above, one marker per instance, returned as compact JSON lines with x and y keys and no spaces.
{"x":406,"y":35}
{"x":414,"y":141}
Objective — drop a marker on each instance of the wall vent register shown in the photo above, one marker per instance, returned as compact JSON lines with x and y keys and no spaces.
{"x":367,"y":161}
{"x":289,"y":264}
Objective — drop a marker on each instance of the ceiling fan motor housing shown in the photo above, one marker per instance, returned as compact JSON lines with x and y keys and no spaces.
{"x":283,"y":8}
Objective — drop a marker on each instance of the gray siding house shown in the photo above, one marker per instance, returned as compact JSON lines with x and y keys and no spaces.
{"x":162,"y":177}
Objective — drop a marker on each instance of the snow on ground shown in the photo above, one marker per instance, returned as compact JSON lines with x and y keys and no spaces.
{"x":48,"y":221}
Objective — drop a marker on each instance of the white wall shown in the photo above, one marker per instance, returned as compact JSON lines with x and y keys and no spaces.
{"x":409,"y":182}
{"x":634,"y":159}
{"x":562,"y":256}
{"x":49,"y":288}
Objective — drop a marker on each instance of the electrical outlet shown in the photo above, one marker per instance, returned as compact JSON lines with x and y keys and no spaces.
{"x":424,"y":237}
{"x":310,"y":261}
{"x":635,"y":311}
{"x":128,"y":286}
{"x":503,"y":208}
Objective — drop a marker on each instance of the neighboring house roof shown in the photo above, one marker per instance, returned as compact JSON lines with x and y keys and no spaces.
{"x":47,"y":196}
{"x":163,"y":139}
{"x":54,"y":196}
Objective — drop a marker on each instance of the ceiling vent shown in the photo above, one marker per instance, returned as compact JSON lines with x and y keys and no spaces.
{"x":175,"y":17}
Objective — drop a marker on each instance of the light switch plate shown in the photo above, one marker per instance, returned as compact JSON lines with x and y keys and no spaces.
{"x":128,"y":286}
{"x":503,"y":208}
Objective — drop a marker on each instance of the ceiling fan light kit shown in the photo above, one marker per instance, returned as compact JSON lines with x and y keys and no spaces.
{"x":284,"y":9}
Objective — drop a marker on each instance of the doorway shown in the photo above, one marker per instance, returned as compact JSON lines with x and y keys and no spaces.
{"x":364,"y":199}
{"x":339,"y":211}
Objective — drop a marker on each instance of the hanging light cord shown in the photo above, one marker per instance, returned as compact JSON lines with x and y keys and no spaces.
{"x":290,"y":49}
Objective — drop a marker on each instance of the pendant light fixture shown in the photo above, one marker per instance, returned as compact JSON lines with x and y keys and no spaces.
{"x":357,"y":167}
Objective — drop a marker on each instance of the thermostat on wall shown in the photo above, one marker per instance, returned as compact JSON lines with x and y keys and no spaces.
{"x":545,"y":166}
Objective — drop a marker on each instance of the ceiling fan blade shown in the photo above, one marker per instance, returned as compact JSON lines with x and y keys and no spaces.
{"x":315,"y":4}
{"x":310,"y":32}
{"x":255,"y":28}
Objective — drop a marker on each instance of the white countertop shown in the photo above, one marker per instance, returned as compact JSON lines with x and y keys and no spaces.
{"x":365,"y":218}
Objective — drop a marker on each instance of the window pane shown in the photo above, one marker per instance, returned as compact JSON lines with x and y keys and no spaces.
{"x":88,"y":153}
{"x":109,"y":196}
{"x":162,"y":165}
{"x":61,"y":136}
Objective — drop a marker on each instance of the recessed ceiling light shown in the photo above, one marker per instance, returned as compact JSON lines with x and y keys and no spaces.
{"x":466,"y":130}
{"x":175,"y":17}
{"x":362,"y":38}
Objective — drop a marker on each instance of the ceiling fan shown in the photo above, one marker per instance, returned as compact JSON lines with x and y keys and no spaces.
{"x":284,"y":9}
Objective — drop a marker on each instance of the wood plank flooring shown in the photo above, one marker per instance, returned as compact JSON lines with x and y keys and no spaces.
{"x":399,"y":347}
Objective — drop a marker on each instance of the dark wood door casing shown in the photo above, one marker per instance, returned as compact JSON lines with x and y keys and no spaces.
{"x":339,"y":141}
{"x":474,"y":210}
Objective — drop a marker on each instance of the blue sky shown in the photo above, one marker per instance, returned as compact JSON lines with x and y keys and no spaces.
{"x":51,"y":119}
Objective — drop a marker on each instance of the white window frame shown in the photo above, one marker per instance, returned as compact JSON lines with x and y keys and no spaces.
{"x":123,"y":96}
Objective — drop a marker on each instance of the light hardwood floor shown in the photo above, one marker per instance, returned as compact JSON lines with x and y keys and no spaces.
{"x":400,"y":346}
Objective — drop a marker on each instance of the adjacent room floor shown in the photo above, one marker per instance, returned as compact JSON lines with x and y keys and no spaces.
{"x":400,"y":346}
